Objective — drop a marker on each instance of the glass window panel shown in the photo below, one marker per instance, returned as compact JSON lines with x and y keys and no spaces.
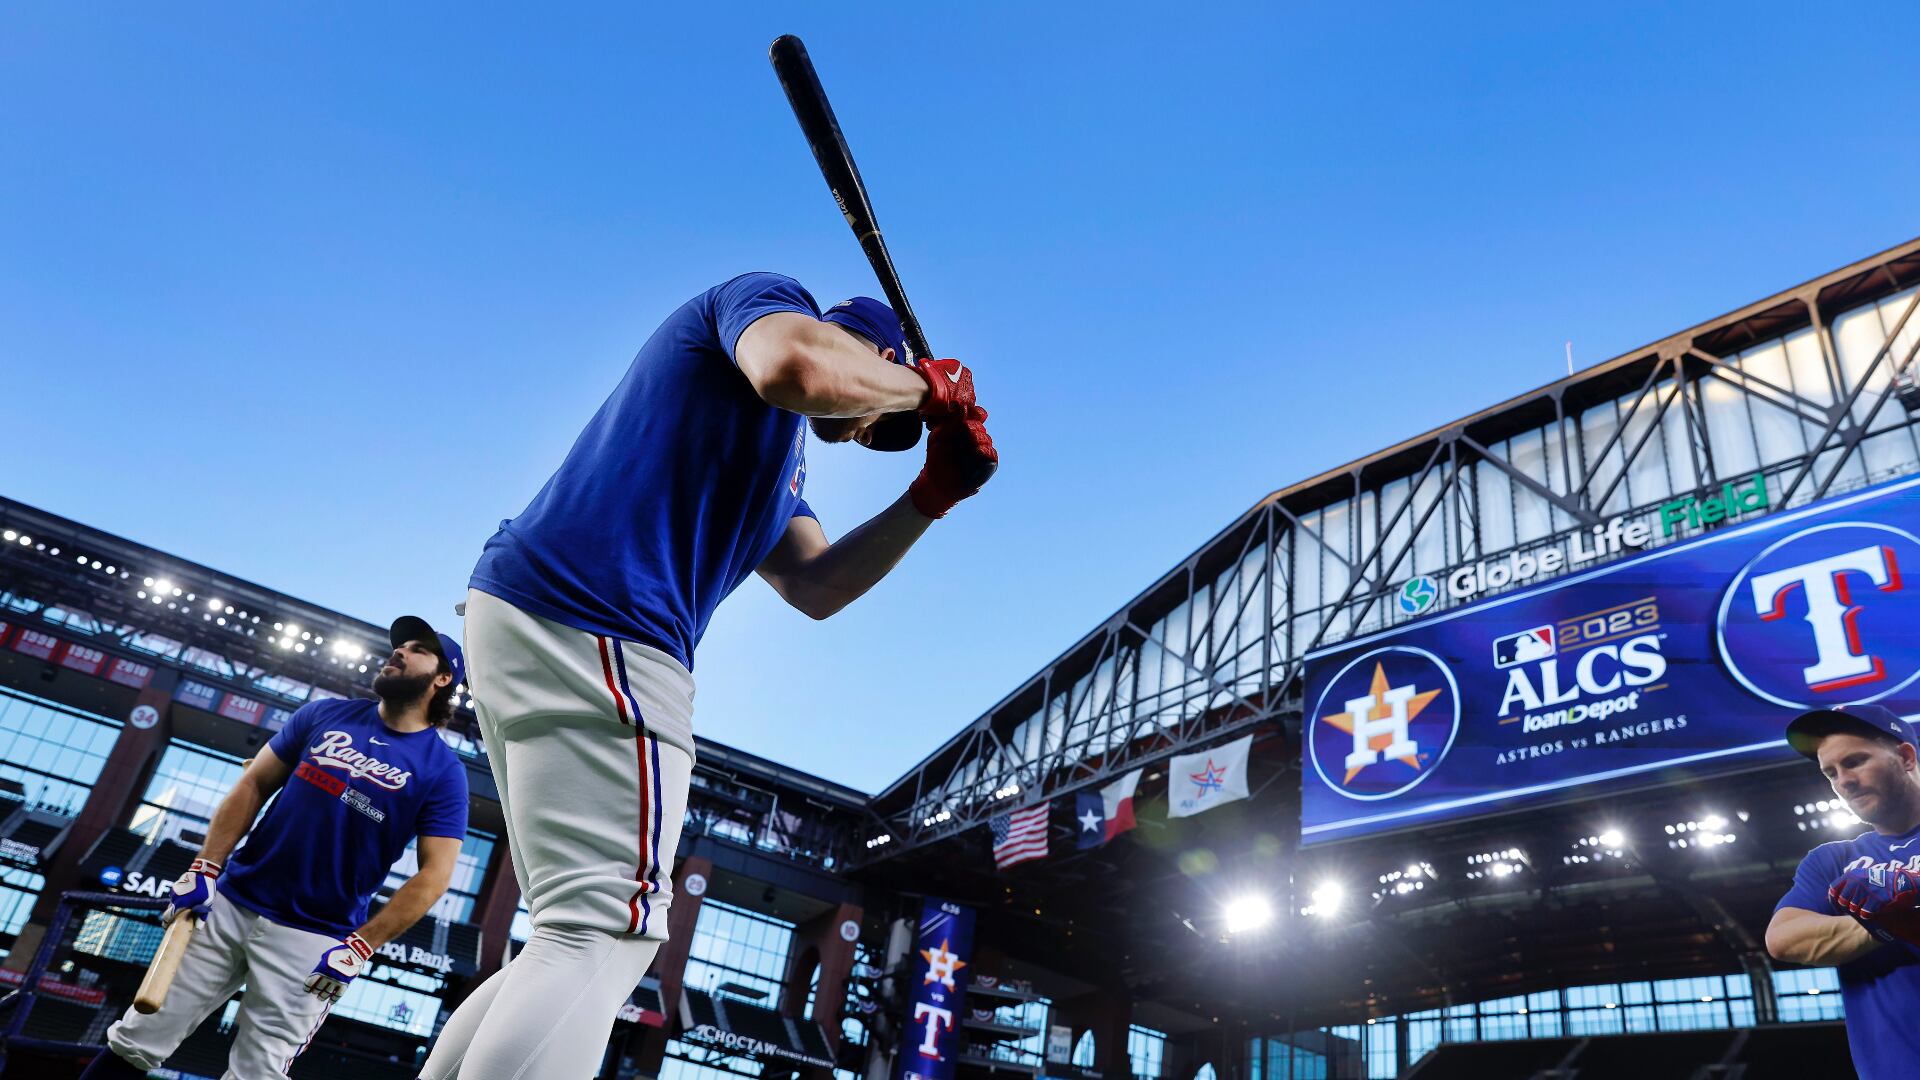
{"x":1527,"y":455}
{"x":1146,"y":1050}
{"x":1778,"y":431}
{"x":1731,"y":429}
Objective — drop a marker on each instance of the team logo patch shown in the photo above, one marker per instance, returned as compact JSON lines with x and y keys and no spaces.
{"x":1824,"y":616}
{"x":1383,"y":723}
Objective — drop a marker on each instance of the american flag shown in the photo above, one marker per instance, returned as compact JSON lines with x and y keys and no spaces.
{"x":1019,"y":836}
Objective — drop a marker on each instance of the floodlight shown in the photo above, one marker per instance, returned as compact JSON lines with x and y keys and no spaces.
{"x":1244,"y":913}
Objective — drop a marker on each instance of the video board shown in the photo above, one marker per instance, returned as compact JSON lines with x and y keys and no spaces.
{"x":1687,"y":660}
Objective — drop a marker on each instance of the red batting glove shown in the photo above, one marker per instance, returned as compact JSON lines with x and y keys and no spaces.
{"x":1884,"y":899}
{"x":960,"y":458}
{"x":949,"y":389}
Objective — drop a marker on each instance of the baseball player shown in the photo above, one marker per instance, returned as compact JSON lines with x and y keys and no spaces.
{"x":287,"y":913}
{"x":1855,"y":903}
{"x":583,"y":613}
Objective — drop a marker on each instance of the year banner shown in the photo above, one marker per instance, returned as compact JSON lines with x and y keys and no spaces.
{"x":1685,"y":661}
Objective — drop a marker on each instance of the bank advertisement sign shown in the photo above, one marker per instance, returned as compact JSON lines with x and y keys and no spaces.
{"x":1679,"y":662}
{"x":943,"y":947}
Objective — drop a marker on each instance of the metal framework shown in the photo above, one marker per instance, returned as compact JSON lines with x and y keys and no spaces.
{"x":1800,"y":387}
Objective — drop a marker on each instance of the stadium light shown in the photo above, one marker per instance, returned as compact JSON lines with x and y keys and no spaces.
{"x":1249,"y":912}
{"x":1612,"y":838}
{"x":1325,"y":900}
{"x":214,"y":606}
{"x":9,"y":534}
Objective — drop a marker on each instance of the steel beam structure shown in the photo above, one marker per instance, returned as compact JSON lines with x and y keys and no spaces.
{"x":1795,"y":387}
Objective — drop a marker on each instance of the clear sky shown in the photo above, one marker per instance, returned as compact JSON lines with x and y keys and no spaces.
{"x":317,"y":294}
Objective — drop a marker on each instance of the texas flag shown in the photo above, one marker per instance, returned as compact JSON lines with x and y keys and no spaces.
{"x":1105,"y":814}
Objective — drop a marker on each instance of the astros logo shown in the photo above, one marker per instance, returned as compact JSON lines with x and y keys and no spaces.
{"x":1818,"y":617}
{"x":1384,"y":722}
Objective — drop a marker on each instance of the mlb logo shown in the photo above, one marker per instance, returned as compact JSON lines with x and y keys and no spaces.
{"x":1523,"y":647}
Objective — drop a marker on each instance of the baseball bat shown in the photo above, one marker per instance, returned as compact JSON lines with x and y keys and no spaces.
{"x":166,"y":964}
{"x":815,"y":114}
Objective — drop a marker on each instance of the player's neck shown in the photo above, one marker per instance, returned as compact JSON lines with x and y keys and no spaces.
{"x":405,"y":719}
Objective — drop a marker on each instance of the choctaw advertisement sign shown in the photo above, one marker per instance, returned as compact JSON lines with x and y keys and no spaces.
{"x":1679,"y":662}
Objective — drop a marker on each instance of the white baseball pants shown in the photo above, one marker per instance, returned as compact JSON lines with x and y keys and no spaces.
{"x":277,"y":1019}
{"x":589,"y":740}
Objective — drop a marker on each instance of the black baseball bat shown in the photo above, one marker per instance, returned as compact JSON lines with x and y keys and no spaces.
{"x":897,"y":431}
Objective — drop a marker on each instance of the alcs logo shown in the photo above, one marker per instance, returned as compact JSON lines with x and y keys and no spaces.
{"x":1821,"y":616}
{"x":1383,"y":722}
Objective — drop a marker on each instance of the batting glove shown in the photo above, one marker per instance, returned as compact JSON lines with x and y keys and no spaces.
{"x":949,"y":389}
{"x":1884,"y":899}
{"x":338,"y":966}
{"x":192,"y":891}
{"x":960,"y":458}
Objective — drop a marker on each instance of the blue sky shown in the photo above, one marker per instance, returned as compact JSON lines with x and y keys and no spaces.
{"x":317,"y":295}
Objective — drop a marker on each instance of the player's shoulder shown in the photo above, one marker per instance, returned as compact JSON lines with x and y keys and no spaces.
{"x":443,"y":760}
{"x":762,"y":287}
{"x":329,"y":710}
{"x":1844,"y":849}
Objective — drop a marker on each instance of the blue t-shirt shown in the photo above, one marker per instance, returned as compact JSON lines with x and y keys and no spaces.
{"x":359,"y":791}
{"x":679,"y":487}
{"x":1881,"y":990}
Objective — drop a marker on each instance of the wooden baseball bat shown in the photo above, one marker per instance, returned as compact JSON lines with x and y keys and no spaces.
{"x":165,"y":965}
{"x":898,"y":431}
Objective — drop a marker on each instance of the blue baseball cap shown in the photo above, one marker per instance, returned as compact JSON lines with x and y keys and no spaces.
{"x":1807,"y":729}
{"x":876,"y":322}
{"x":414,"y":628}
{"x":872,"y":320}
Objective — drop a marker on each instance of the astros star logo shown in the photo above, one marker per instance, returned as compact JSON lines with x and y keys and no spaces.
{"x":1210,"y":779}
{"x":942,"y":964}
{"x":1382,"y":723}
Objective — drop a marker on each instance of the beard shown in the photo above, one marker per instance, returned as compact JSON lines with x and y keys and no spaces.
{"x":402,"y":690}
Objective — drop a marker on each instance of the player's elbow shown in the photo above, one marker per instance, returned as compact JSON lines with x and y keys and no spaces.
{"x":1784,"y":944}
{"x":817,"y":606}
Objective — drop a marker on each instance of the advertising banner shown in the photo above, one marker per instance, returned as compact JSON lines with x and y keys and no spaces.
{"x":1684,"y":661}
{"x":943,"y":947}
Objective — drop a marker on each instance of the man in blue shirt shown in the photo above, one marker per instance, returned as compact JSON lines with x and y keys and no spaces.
{"x":287,"y":915}
{"x":584,"y":611}
{"x":1853,"y":902}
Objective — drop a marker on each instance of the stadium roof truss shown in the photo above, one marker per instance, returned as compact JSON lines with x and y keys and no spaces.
{"x":1800,"y":387}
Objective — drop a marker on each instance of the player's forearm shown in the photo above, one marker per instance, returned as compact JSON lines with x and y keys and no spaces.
{"x":231,"y":819}
{"x":857,"y":561}
{"x":410,"y":901}
{"x":831,"y":375}
{"x":1808,"y":937}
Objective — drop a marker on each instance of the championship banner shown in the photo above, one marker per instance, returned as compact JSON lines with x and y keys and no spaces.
{"x":943,"y":948}
{"x":1689,"y":660}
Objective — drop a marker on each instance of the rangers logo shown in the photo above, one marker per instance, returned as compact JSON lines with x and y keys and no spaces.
{"x":1384,"y":722}
{"x":1815,"y":618}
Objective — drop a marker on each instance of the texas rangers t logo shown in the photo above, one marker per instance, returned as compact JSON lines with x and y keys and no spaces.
{"x":1813,"y":619}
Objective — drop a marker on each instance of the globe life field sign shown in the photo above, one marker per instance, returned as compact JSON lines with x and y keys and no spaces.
{"x":1689,"y":659}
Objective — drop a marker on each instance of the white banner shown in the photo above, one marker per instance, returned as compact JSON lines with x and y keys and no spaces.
{"x":1207,"y":778}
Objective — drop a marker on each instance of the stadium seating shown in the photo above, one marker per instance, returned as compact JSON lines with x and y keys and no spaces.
{"x":1776,"y":1052}
{"x":1676,"y":1055}
{"x":1517,"y":1060}
{"x":1797,"y":1051}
